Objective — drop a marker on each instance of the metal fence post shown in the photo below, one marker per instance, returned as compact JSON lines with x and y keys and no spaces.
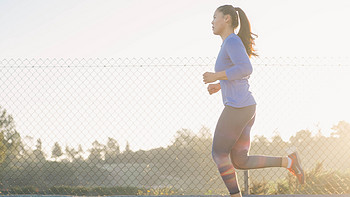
{"x":246,"y":182}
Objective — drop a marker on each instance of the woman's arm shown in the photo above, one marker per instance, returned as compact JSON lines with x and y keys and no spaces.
{"x":210,"y":77}
{"x":239,"y":57}
{"x":221,"y":75}
{"x":242,"y":66}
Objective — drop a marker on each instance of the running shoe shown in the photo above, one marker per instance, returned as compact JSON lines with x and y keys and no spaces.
{"x":296,"y":168}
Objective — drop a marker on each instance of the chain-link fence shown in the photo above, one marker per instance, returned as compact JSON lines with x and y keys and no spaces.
{"x":145,"y":126}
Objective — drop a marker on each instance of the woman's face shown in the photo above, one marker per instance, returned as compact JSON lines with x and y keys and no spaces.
{"x":219,"y":22}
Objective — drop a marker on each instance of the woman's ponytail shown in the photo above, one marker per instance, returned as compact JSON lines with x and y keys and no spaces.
{"x":245,"y":32}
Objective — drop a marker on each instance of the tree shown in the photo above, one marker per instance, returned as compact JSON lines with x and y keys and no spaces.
{"x":96,"y":152}
{"x":183,"y":138}
{"x":205,"y":133}
{"x":112,"y":150}
{"x":71,"y":153}
{"x":260,"y":141}
{"x":342,"y":130}
{"x":3,"y":149}
{"x":80,"y":153}
{"x":10,"y":138}
{"x":127,"y":148}
{"x":301,"y":138}
{"x":56,"y":151}
{"x":38,"y":152}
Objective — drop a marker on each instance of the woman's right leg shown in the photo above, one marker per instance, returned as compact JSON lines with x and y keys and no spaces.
{"x":241,"y":160}
{"x":240,"y":153}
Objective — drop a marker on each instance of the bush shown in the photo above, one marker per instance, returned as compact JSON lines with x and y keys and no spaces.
{"x":157,"y":192}
{"x":22,"y":190}
{"x":318,"y":181}
{"x":77,"y":191}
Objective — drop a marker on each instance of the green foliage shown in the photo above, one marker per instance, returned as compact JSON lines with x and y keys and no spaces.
{"x":282,"y":187}
{"x":157,"y":192}
{"x":259,"y":188}
{"x":96,"y":152}
{"x":38,"y":154}
{"x":112,"y":150}
{"x":3,"y":148}
{"x":69,"y":190}
{"x":318,"y":181}
{"x":22,"y":190}
{"x":56,"y":151}
{"x":10,"y":140}
{"x":321,"y":181}
{"x":92,"y":191}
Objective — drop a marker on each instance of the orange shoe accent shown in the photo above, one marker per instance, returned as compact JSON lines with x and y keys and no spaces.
{"x":296,"y":168}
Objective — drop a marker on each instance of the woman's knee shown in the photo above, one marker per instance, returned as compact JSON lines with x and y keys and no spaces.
{"x":219,"y":158}
{"x":235,"y":165}
{"x":240,"y":160}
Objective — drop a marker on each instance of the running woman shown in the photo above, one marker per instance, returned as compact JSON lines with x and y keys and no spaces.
{"x":231,"y":142}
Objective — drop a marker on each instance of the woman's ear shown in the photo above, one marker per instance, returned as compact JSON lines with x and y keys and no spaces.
{"x":227,"y":18}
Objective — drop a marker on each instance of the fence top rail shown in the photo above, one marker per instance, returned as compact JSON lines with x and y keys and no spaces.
{"x":161,"y":62}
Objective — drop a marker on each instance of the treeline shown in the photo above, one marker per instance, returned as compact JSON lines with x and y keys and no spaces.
{"x":185,"y":165}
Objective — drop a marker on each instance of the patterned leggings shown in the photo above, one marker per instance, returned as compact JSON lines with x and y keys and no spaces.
{"x":231,"y":145}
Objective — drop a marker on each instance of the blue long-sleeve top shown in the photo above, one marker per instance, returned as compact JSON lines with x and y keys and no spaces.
{"x":234,"y":59}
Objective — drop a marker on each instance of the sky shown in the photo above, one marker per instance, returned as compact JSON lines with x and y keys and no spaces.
{"x":163,"y":29}
{"x":158,"y":28}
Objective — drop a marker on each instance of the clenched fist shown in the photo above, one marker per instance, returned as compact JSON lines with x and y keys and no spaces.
{"x":209,"y":77}
{"x":213,"y":88}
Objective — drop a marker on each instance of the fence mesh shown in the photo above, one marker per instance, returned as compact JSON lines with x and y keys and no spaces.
{"x":144,"y":126}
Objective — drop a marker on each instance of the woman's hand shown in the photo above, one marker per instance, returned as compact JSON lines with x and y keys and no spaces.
{"x":209,"y":77}
{"x":213,"y":88}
